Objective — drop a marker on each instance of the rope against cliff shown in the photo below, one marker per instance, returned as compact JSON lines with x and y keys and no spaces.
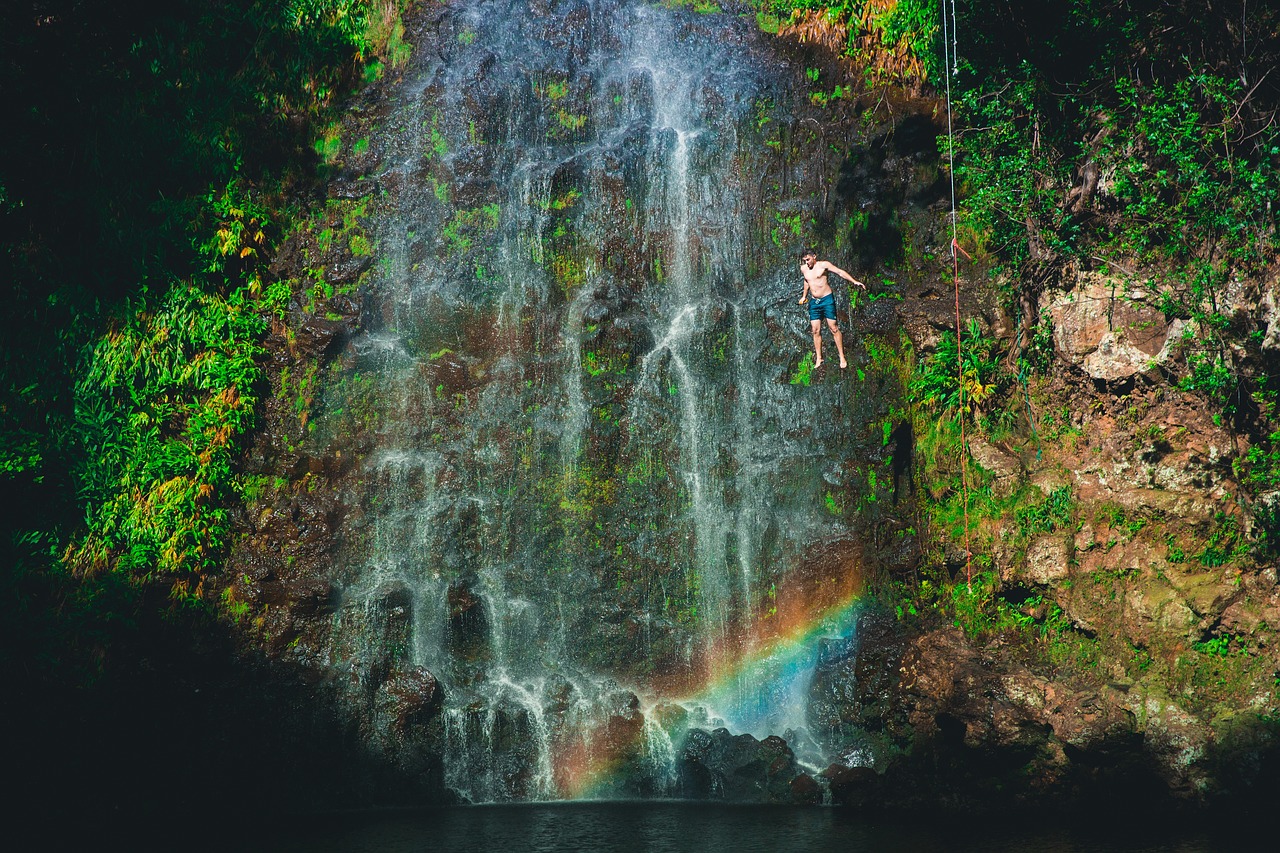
{"x":950,"y":68}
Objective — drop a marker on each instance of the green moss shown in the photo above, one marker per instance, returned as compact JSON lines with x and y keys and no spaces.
{"x":803,"y":374}
{"x":465,"y":226}
{"x":647,"y":468}
{"x":789,"y":227}
{"x":439,"y":146}
{"x":570,"y":121}
{"x":767,"y":22}
{"x":329,"y":146}
{"x":440,"y":189}
{"x":1222,"y":669}
{"x":564,"y":201}
{"x":597,"y":363}
{"x":567,"y":270}
{"x":701,"y":7}
{"x":721,"y":345}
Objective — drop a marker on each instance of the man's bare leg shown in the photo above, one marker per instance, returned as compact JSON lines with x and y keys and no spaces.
{"x":835,"y":333}
{"x":817,"y":342}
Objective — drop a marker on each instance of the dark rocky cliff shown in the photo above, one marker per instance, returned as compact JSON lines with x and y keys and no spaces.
{"x":547,"y":500}
{"x":1097,"y":679}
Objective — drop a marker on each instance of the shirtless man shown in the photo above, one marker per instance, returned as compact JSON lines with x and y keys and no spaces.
{"x":823,"y":305}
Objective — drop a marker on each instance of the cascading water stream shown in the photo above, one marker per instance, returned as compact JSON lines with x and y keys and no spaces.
{"x":583,"y":498}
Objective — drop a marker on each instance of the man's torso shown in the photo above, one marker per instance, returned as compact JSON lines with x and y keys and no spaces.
{"x":816,"y":278}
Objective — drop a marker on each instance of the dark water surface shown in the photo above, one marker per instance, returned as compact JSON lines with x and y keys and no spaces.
{"x":706,"y":828}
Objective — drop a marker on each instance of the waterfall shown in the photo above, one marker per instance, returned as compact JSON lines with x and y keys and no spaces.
{"x":591,"y":477}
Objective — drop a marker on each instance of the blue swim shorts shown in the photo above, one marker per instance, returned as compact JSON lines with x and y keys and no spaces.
{"x":823,"y":308}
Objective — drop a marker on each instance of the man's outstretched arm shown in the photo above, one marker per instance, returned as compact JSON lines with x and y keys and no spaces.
{"x":844,"y":275}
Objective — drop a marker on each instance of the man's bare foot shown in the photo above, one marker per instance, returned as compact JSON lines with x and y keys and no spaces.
{"x":843,"y":364}
{"x":817,"y":364}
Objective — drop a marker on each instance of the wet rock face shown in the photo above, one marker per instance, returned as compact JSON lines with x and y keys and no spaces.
{"x":409,"y":700}
{"x":964,"y":728}
{"x":965,"y":724}
{"x":590,"y":462}
{"x":468,"y":627}
{"x":564,"y":451}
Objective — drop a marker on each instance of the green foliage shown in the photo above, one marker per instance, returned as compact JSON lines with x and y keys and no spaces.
{"x":1008,"y":175}
{"x":163,"y":401}
{"x":21,"y":450}
{"x":1219,"y":646}
{"x":1222,"y":667}
{"x":841,"y":10}
{"x":982,"y":611}
{"x":1054,"y":514}
{"x":370,"y":27}
{"x":1197,"y":200}
{"x":702,"y":7}
{"x":240,"y":229}
{"x":1222,"y":541}
{"x":145,"y":148}
{"x":915,"y":24}
{"x":1185,"y":154}
{"x":329,"y":146}
{"x":1038,"y":354}
{"x":156,"y":154}
{"x":936,"y":384}
{"x":1185,"y":186}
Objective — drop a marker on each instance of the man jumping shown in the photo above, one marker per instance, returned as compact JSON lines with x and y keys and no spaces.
{"x":823,"y":305}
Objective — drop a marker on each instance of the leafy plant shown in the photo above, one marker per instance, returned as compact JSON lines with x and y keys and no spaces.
{"x":937,"y":382}
{"x":239,"y":239}
{"x":161,"y":405}
{"x":915,"y":25}
{"x":1054,"y":514}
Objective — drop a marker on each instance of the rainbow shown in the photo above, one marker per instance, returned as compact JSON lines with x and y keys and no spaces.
{"x":751,"y":680}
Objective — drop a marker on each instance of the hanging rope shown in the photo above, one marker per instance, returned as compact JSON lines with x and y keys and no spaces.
{"x":951,"y":68}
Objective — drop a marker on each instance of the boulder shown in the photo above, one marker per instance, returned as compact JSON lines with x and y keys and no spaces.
{"x":1048,"y":560}
{"x":409,"y":699}
{"x":1004,"y":466}
{"x":1109,"y":328}
{"x":737,"y":768}
{"x":805,"y":790}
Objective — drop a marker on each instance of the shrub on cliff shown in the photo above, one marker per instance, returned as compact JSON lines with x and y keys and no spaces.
{"x":144,"y":183}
